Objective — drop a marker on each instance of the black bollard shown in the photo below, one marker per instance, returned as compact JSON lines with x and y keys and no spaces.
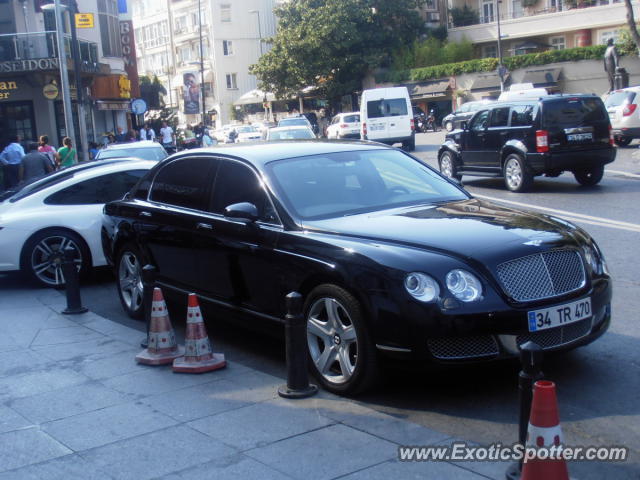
{"x":296,"y":342}
{"x":71,"y":283}
{"x":531,"y":355}
{"x":148,"y":284}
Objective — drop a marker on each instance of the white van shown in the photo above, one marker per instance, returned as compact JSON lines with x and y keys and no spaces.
{"x":522,"y":91}
{"x":386,"y":116}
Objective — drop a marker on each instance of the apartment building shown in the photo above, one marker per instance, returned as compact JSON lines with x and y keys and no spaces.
{"x":30,"y":87}
{"x":168,"y":34}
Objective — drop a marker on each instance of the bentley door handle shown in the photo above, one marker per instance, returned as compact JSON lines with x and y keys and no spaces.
{"x":204,"y":226}
{"x":144,"y":214}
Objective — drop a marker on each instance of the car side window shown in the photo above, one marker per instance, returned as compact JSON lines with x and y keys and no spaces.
{"x":184,"y":182}
{"x":102,"y":189}
{"x":236,"y":183}
{"x":479,"y":121}
{"x":499,"y":117}
{"x":522,"y":116}
{"x":463,"y":108}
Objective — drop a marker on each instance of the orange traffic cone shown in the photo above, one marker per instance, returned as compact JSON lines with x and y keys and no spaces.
{"x":199,"y":356}
{"x":544,"y":431}
{"x":162,"y":347}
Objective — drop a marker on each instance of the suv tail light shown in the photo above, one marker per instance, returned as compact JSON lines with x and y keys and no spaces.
{"x":612,"y":140}
{"x":542,"y":141}
{"x":413,"y":125}
{"x":629,"y":109}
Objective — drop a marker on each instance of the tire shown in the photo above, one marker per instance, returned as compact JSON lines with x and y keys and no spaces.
{"x":448,"y":126}
{"x":623,"y":141}
{"x":342,"y":355}
{"x":517,"y":177}
{"x":448,"y":166}
{"x":41,"y":257}
{"x":409,"y":145}
{"x":589,"y":177}
{"x":129,"y":280}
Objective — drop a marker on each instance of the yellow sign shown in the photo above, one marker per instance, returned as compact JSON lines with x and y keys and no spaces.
{"x":50,"y":91}
{"x":5,"y":89}
{"x":125,"y":87}
{"x":84,"y":20}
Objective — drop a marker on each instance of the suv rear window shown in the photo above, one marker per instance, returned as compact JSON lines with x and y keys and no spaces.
{"x":573,"y":112}
{"x":619,"y":98}
{"x":387,"y":108}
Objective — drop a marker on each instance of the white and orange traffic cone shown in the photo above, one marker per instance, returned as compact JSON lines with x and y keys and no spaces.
{"x":198,"y":356}
{"x":544,"y":431}
{"x":162,"y":348}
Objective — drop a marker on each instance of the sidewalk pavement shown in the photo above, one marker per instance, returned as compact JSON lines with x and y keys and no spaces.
{"x":75,"y":405}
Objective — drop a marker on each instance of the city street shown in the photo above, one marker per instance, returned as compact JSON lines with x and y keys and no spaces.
{"x":598,"y":384}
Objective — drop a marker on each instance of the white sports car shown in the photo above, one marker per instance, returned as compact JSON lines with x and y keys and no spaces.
{"x":39,"y":219}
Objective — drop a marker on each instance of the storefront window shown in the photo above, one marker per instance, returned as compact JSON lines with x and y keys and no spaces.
{"x":16,"y":118}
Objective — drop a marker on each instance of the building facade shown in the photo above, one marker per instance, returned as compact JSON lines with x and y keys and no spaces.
{"x":31,"y":101}
{"x":168,"y":46}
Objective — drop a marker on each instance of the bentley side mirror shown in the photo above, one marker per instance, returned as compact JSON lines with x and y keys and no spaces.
{"x":242,"y":211}
{"x":463,"y":125}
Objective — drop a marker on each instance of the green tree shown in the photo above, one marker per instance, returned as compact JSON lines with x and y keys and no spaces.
{"x":333,"y":44}
{"x":152,"y":91}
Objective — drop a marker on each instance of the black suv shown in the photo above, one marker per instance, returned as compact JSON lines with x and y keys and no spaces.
{"x":519,"y":140}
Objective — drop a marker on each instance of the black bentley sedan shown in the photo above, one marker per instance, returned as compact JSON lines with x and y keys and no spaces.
{"x":392,"y":258}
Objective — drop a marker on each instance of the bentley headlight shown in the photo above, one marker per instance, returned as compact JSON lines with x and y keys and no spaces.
{"x":465,"y":286}
{"x":595,"y":259}
{"x":421,"y":287}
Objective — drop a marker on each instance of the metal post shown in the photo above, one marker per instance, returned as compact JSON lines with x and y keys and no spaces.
{"x":531,"y":355}
{"x":202,"y":93}
{"x":64,"y":75}
{"x":77,"y":70}
{"x":500,"y":66}
{"x":148,"y":283}
{"x":72,"y":282}
{"x":296,"y":343}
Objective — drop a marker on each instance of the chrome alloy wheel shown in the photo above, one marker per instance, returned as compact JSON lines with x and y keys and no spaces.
{"x":446,"y":167}
{"x":130,"y":280}
{"x":47,"y":257}
{"x":332,"y":340}
{"x":513,"y":173}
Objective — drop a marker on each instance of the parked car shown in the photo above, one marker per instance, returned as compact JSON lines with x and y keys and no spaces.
{"x":344,"y":125}
{"x":386,"y":116}
{"x":39,"y":219}
{"x":222,"y":133}
{"x":622,"y":106}
{"x":295,"y":121}
{"x":143,"y":150}
{"x":298,"y":132}
{"x":247,"y":133}
{"x":523,"y":139}
{"x":392,"y":259}
{"x":462,"y":114}
{"x":263,"y":126}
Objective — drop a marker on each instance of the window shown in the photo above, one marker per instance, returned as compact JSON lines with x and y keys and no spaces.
{"x":490,"y":51}
{"x":487,"y":12}
{"x":516,"y":9}
{"x":155,"y":35}
{"x":499,"y":117}
{"x":227,"y":47}
{"x":606,"y":35}
{"x":558,"y":43}
{"x":236,"y":183}
{"x":387,"y":108}
{"x":232,"y":81}
{"x":522,"y":116}
{"x":225,"y":13}
{"x":181,"y":24}
{"x":109,"y":28}
{"x":557,"y":5}
{"x":176,"y":184}
{"x":102,"y":189}
{"x":479,"y":122}
{"x":184,"y":53}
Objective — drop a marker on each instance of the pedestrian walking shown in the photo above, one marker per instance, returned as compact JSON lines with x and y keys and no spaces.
{"x":147,"y":133}
{"x":67,"y":153}
{"x":49,"y":151}
{"x":10,"y":158}
{"x":167,"y":137}
{"x":34,"y":164}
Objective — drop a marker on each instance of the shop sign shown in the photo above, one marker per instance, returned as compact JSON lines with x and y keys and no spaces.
{"x":128,"y":44}
{"x":6,"y":88}
{"x":50,"y":91}
{"x":124,"y":84}
{"x":84,"y":20}
{"x":115,"y":105}
{"x":39,"y":64}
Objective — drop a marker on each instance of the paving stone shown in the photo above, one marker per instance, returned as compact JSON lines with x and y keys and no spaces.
{"x":21,"y":362}
{"x":57,"y":336}
{"x":40,"y":381}
{"x":69,"y":467}
{"x":27,"y":446}
{"x":157,"y":454}
{"x":12,"y":420}
{"x":115,"y":331}
{"x":100,"y":427}
{"x":326,"y":453}
{"x":80,"y":351}
{"x":229,"y":468}
{"x":67,"y":402}
{"x":414,"y":471}
{"x":99,"y":367}
{"x":260,"y":424}
{"x":212,"y":397}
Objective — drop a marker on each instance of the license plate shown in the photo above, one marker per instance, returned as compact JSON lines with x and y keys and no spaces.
{"x":559,"y":315}
{"x":377,"y":127}
{"x":580,"y":137}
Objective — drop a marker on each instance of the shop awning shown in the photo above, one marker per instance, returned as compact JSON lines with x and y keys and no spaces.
{"x":487,"y":82}
{"x":547,"y":77}
{"x":437,"y":88}
{"x":255,"y":96}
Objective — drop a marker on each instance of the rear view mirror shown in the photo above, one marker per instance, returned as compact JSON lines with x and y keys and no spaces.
{"x":463,"y":125}
{"x":243,"y":211}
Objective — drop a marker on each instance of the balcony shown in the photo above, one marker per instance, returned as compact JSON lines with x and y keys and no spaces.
{"x":39,"y":51}
{"x":525,"y":22}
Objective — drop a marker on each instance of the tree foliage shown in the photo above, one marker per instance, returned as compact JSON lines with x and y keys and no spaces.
{"x":152,"y":91}
{"x":431,"y":51}
{"x":333,"y":44}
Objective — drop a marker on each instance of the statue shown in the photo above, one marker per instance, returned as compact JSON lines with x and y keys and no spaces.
{"x":611,"y":62}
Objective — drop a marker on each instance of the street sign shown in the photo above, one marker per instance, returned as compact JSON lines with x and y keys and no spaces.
{"x":138,"y":106}
{"x":50,"y":91}
{"x":84,"y":20}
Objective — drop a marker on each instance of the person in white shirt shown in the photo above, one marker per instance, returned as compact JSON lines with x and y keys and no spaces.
{"x":167,"y":136}
{"x":147,"y":133}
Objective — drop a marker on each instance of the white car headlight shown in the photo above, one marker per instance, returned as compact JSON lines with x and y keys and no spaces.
{"x":595,"y":259}
{"x":465,"y":286}
{"x":421,"y":287}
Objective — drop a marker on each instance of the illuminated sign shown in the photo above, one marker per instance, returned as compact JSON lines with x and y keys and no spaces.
{"x":5,"y":89}
{"x":124,"y":84}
